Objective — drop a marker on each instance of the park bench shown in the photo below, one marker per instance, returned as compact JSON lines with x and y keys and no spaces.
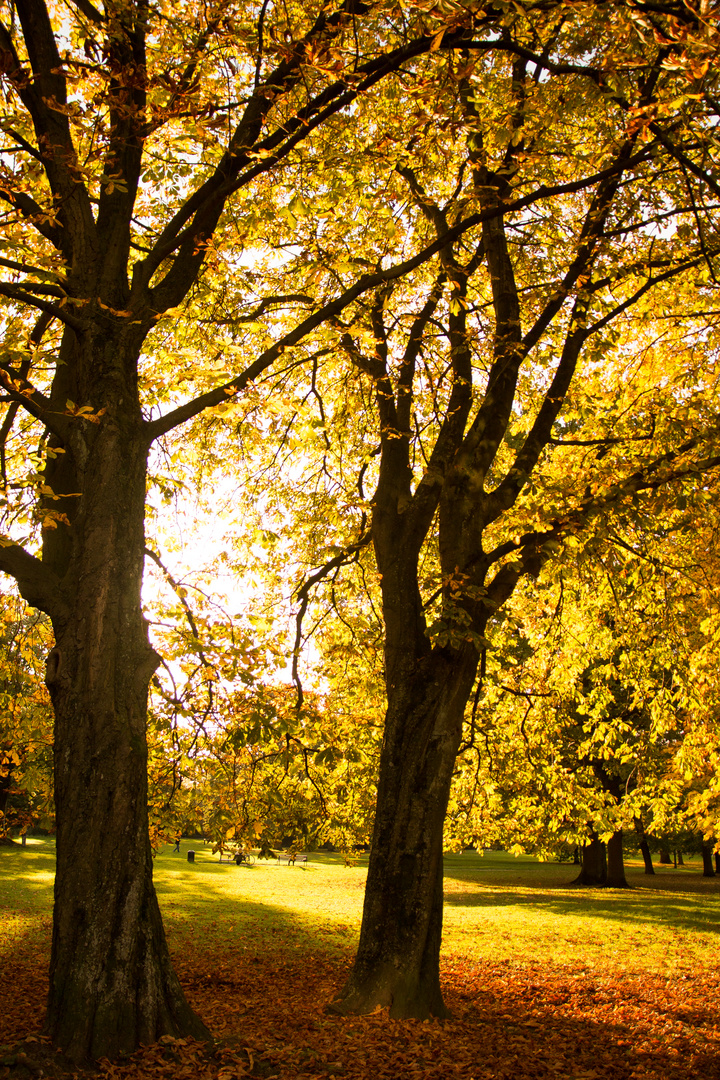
{"x":238,"y":857}
{"x":291,"y":857}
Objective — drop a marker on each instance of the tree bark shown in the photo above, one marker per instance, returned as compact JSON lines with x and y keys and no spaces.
{"x":397,"y":962}
{"x":707,"y":858}
{"x":594,"y":864}
{"x":644,"y":847}
{"x":112,"y":986}
{"x":647,"y":856}
{"x":615,"y":863}
{"x":665,"y":857}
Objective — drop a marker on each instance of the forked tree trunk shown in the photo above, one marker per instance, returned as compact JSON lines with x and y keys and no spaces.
{"x":615,"y":863}
{"x":112,"y":986}
{"x":397,"y":962}
{"x":594,"y":864}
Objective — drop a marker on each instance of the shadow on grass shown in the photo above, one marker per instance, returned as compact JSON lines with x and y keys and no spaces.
{"x":531,"y":871}
{"x":202,"y":903}
{"x":654,"y":908}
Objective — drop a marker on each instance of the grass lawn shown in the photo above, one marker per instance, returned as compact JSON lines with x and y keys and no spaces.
{"x":543,"y":980}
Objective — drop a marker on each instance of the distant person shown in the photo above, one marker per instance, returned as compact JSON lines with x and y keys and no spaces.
{"x":178,"y":838}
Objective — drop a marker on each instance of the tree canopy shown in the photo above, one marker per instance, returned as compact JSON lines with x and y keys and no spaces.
{"x":447,"y":272}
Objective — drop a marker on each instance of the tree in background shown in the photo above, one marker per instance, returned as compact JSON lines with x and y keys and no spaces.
{"x":592,"y":713}
{"x":26,"y":798}
{"x":232,"y":756}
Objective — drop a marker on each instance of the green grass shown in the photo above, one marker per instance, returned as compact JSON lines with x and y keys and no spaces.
{"x":513,"y":910}
{"x":519,"y":910}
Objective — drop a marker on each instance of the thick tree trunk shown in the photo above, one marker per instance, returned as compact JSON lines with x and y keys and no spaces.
{"x":112,"y":986}
{"x":665,"y":857}
{"x":615,"y":864}
{"x":594,"y":864}
{"x":397,"y":962}
{"x":680,"y":860}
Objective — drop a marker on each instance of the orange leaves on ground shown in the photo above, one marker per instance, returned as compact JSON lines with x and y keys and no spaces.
{"x":509,"y":1021}
{"x":24,"y":954}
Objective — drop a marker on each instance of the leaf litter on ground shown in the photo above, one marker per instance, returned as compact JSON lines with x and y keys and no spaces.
{"x":515,"y":1020}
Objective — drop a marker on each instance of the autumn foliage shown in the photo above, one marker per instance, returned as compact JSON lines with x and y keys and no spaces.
{"x":508,"y":1021}
{"x":443,"y":275}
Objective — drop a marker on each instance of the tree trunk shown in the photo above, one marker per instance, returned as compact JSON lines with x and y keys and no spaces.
{"x":665,"y":857}
{"x":397,"y":962}
{"x":647,"y":857}
{"x":5,"y":784}
{"x":717,"y":862}
{"x":707,"y":858}
{"x":615,"y":864}
{"x":594,"y":864}
{"x":644,"y":846}
{"x":112,"y":986}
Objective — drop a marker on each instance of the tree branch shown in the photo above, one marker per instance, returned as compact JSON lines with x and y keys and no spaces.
{"x":46,"y":99}
{"x":38,"y":586}
{"x":34,"y":213}
{"x":36,"y":337}
{"x":350,"y":554}
{"x":364,"y":284}
{"x":89,"y":11}
{"x":13,"y":292}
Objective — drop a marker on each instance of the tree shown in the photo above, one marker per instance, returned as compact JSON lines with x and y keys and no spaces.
{"x":470,"y":438}
{"x":25,"y":721}
{"x":576,"y":730}
{"x":232,"y":756}
{"x":593,"y":707}
{"x":130,"y":205}
{"x":140,"y":145}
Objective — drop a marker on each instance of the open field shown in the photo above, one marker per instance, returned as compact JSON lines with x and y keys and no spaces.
{"x":543,"y":980}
